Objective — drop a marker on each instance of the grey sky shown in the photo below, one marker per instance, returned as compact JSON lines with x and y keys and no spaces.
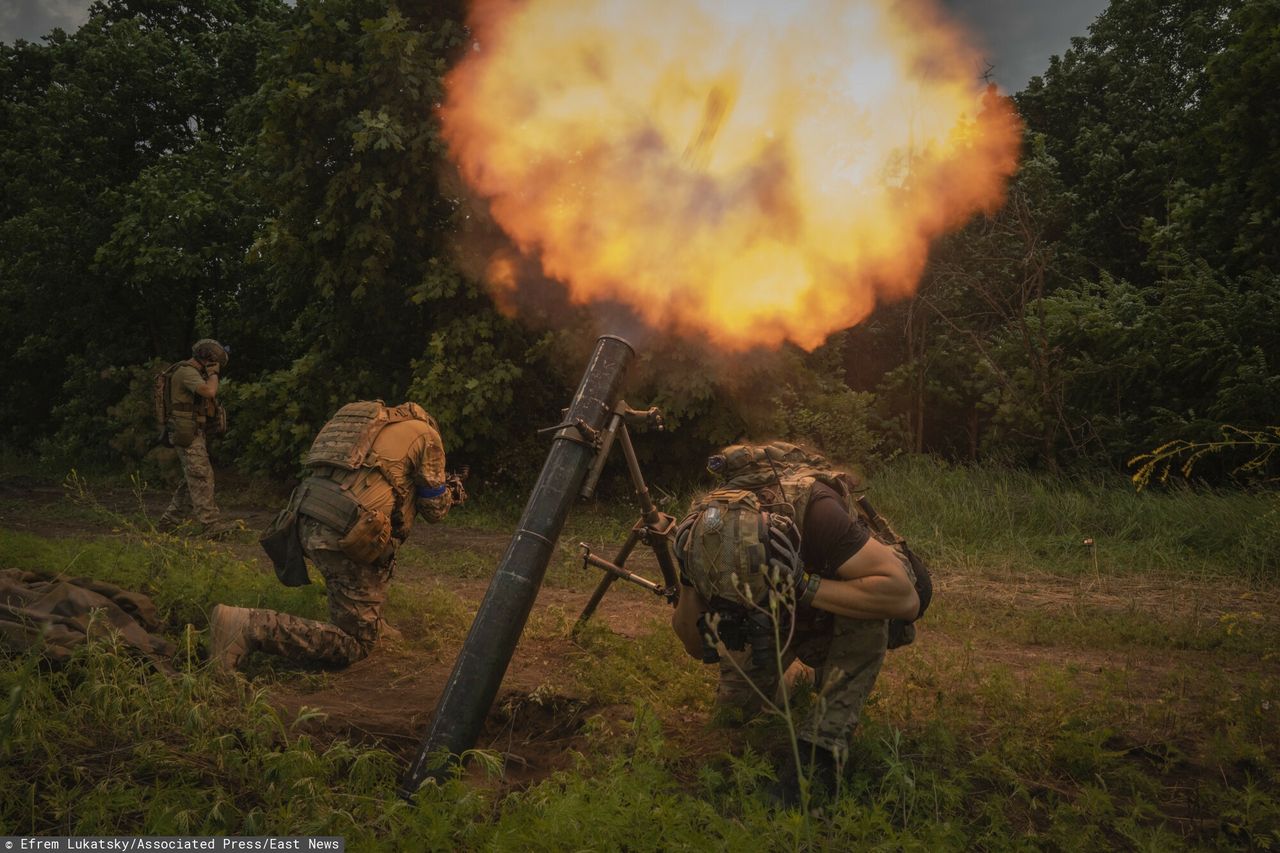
{"x":30,"y":19}
{"x":1018,"y":35}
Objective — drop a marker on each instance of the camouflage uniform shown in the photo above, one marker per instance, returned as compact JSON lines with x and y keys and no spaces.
{"x":411,"y":455}
{"x":194,"y":495}
{"x":356,"y":596}
{"x":846,"y":655}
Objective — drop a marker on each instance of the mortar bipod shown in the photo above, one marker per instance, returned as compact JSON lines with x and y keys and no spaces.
{"x":654,"y":528}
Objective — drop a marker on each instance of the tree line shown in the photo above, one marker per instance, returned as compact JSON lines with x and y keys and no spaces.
{"x":272,"y":176}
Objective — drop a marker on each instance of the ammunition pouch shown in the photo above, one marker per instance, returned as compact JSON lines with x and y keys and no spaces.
{"x":369,"y":540}
{"x":902,"y":632}
{"x":216,"y":421}
{"x":366,"y":534}
{"x":325,"y":501}
{"x":737,"y":627}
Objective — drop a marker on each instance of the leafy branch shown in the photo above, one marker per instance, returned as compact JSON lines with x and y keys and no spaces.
{"x":1183,"y":455}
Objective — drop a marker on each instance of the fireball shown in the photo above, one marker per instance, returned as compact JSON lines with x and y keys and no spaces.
{"x":748,"y":173}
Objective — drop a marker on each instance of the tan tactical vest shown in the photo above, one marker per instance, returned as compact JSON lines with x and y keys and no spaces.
{"x":345,"y":441}
{"x":185,"y":413}
{"x":337,"y":457}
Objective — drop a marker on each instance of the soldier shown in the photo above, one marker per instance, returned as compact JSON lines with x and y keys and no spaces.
{"x":193,"y":413}
{"x":786,"y":525}
{"x":372,"y":470}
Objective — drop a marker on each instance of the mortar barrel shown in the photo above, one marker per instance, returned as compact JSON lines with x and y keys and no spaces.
{"x":486,"y":653}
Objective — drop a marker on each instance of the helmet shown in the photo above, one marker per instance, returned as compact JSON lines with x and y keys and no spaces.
{"x":737,"y":459}
{"x":207,"y":349}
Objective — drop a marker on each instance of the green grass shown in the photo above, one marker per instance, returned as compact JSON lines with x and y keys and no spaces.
{"x":184,"y":577}
{"x":104,"y":745}
{"x":995,"y":520}
{"x":1007,"y":726}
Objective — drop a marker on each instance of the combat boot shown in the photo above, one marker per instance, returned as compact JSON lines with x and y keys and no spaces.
{"x":818,"y":767}
{"x":388,"y":634}
{"x":229,"y":640}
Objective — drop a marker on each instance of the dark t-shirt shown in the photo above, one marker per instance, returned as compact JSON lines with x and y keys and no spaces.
{"x":830,"y":536}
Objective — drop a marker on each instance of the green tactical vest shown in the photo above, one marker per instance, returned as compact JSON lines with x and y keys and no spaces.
{"x":782,"y":476}
{"x":722,"y":547}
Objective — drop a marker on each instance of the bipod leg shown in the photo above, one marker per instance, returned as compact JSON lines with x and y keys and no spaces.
{"x":607,"y":580}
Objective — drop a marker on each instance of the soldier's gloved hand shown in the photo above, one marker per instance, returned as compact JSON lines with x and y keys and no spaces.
{"x":795,"y":581}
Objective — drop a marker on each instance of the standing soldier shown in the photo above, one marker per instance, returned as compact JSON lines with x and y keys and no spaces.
{"x":192,"y":413}
{"x":372,"y":469}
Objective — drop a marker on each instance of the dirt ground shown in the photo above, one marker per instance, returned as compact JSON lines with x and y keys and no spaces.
{"x":536,"y":722}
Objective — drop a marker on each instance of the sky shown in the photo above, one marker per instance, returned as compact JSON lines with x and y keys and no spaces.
{"x":1018,"y":36}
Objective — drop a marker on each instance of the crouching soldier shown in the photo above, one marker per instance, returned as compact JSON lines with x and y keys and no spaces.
{"x":785,"y":561}
{"x":372,"y":469}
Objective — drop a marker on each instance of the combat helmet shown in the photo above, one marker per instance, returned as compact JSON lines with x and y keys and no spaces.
{"x":207,"y":349}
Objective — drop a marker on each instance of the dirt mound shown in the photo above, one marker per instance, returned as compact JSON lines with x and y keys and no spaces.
{"x":389,"y":699}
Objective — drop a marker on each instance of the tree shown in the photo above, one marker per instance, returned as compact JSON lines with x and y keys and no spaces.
{"x":359,"y":248}
{"x":97,"y":127}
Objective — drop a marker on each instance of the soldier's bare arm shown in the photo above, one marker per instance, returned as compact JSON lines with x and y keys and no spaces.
{"x":872,"y":584}
{"x":684,"y":621}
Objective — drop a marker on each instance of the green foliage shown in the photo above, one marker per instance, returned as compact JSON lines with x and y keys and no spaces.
{"x":1259,"y":448}
{"x":357,"y":247}
{"x":1123,"y":297}
{"x":818,"y":408}
{"x":105,"y":745}
{"x":113,"y":146}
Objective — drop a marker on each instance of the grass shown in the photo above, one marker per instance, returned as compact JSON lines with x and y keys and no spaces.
{"x":106,"y":746}
{"x":1032,"y":713}
{"x":995,"y":520}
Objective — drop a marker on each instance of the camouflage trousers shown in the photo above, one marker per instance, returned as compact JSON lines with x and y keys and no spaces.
{"x":194,"y":495}
{"x":846,"y":655}
{"x":356,"y":596}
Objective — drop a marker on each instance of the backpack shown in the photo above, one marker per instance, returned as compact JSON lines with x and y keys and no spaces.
{"x":160,"y":402}
{"x":780,"y":477}
{"x":728,"y":544}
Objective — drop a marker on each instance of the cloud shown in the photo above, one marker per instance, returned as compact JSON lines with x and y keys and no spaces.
{"x":31,"y":19}
{"x":1021,"y":35}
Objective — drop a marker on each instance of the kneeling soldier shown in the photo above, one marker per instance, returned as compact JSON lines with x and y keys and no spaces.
{"x":372,"y":469}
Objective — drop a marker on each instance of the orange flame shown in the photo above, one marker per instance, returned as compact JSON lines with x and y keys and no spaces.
{"x":745,"y":172}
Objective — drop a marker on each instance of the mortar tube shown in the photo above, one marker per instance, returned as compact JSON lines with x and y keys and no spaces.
{"x":486,"y":653}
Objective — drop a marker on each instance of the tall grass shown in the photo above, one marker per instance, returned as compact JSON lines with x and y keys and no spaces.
{"x":991,"y":519}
